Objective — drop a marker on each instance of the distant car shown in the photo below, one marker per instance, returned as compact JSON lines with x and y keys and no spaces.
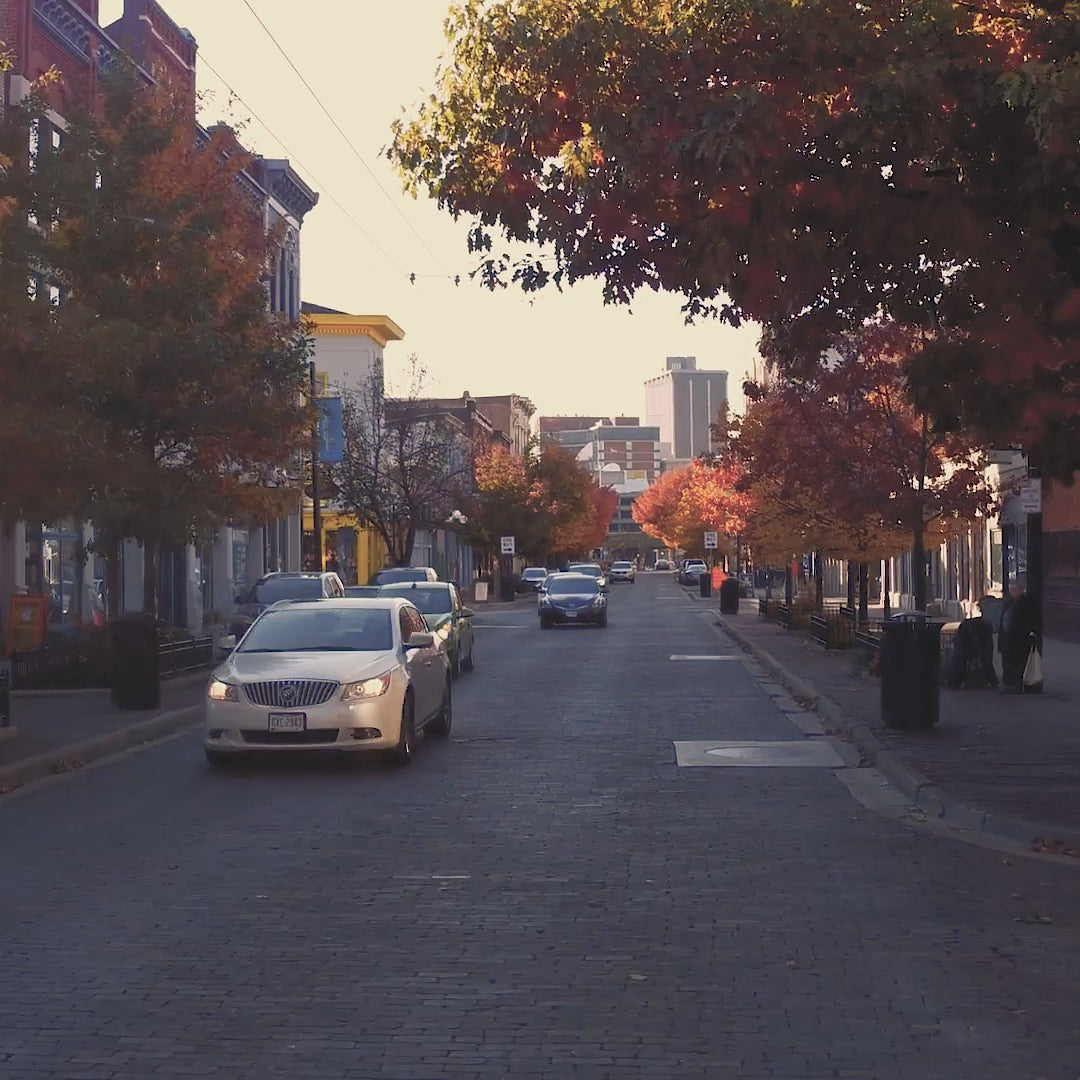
{"x":623,"y":571}
{"x":283,"y":585}
{"x":450,"y":620}
{"x":339,"y":675}
{"x":663,"y":564}
{"x":593,"y":570}
{"x":533,"y":577}
{"x":691,"y":570}
{"x":391,"y":575}
{"x":572,"y":598}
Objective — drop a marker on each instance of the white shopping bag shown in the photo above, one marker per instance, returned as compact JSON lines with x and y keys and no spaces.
{"x":1033,"y":670}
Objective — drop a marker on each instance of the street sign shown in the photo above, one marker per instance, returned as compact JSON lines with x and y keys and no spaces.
{"x":711,"y":539}
{"x":1006,"y":455}
{"x":506,"y":545}
{"x":1031,"y":496}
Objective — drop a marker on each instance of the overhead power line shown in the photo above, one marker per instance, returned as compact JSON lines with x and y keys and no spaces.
{"x":296,"y":162}
{"x":348,"y":142}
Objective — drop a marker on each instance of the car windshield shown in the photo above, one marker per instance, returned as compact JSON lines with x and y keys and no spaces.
{"x":288,"y":588}
{"x":620,"y":566}
{"x":566,"y":586}
{"x":534,"y":572}
{"x":333,"y":629}
{"x":433,"y":600}
{"x":593,"y":571}
{"x":359,"y":591}
{"x":399,"y":573}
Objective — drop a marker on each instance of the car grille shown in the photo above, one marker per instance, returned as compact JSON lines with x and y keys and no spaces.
{"x":290,"y":693}
{"x":290,"y":738}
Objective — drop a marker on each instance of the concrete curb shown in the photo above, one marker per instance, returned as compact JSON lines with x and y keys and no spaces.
{"x":927,"y":796}
{"x":183,"y":679}
{"x":77,"y":754}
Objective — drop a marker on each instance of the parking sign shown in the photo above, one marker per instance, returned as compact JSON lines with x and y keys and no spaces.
{"x":506,"y":545}
{"x":711,"y":539}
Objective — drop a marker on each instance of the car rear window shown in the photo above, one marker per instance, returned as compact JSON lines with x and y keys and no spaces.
{"x":578,"y":585}
{"x":291,"y":588}
{"x":433,"y":600}
{"x":399,"y":573}
{"x":593,"y":571}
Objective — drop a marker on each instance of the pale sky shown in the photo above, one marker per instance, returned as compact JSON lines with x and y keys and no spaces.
{"x":367,"y":60}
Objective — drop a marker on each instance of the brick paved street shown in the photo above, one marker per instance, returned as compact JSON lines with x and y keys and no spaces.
{"x":545,"y":896}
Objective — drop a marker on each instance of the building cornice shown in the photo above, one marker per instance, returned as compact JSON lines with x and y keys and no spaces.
{"x":380,"y":328}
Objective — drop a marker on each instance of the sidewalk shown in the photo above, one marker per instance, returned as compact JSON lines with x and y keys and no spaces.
{"x":1008,"y":765}
{"x":56,"y":730}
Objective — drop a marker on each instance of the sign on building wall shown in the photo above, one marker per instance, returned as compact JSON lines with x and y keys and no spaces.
{"x":331,"y":435}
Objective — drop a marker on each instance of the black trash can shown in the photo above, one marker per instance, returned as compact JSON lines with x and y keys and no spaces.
{"x":729,"y":596}
{"x":910,"y":658}
{"x":5,"y":693}
{"x":705,"y":583}
{"x":136,"y":680}
{"x":508,"y":588}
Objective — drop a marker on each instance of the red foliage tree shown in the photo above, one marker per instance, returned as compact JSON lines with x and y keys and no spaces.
{"x":809,"y":166}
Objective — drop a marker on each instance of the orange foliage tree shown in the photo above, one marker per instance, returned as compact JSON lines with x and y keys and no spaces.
{"x":587,"y":531}
{"x":193,"y":390}
{"x":683,"y":504}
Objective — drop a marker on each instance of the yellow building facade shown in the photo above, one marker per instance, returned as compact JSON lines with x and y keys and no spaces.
{"x":348,"y":351}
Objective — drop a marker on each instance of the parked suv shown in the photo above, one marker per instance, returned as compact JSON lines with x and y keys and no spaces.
{"x":283,"y":585}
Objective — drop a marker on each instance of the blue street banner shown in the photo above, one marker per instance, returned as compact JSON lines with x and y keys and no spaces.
{"x":331,"y":435}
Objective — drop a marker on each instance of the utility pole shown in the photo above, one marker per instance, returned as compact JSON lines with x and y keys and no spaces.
{"x":316,"y":494}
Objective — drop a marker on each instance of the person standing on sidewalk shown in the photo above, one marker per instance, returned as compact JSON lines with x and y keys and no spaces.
{"x":1016,"y":634}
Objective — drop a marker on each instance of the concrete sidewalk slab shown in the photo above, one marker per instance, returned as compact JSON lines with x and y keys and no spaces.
{"x":1005,"y":766}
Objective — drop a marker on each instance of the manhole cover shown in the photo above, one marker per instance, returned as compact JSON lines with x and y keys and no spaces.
{"x":803,"y":754}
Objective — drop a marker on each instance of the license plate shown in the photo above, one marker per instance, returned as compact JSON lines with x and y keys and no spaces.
{"x":571,"y":614}
{"x":288,"y":721}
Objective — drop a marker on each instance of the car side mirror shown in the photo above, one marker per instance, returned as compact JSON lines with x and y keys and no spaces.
{"x":467,"y":613}
{"x":228,"y":642}
{"x":420,"y":640}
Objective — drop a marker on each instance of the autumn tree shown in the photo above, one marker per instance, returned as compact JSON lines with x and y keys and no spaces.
{"x":683,"y":504}
{"x":545,"y":499}
{"x":45,"y":437}
{"x":405,"y":463}
{"x":587,"y":530}
{"x":842,"y":455}
{"x":158,"y":252}
{"x":807,"y":166}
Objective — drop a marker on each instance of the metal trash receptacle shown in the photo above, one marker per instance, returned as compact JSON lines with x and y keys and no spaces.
{"x":6,"y":674}
{"x":508,"y":588}
{"x":729,"y":596}
{"x":136,"y":677}
{"x":910,"y":662}
{"x":705,"y":584}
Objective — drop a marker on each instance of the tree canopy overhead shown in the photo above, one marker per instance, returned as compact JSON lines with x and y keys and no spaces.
{"x":809,"y":166}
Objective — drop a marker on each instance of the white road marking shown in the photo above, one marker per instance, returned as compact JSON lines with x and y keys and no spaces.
{"x":753,"y":754}
{"x":682,"y":656}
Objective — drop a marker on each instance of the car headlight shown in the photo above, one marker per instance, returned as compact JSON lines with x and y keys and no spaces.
{"x":222,"y":691}
{"x":545,"y":599}
{"x":367,"y":688}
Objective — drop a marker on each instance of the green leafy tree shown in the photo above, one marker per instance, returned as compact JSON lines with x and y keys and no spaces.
{"x":808,"y":166}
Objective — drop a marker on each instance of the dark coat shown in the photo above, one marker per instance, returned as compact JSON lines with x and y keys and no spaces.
{"x":1019,"y":620}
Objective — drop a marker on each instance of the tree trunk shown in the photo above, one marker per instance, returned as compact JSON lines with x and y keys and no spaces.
{"x":789,"y":586}
{"x":886,"y":586}
{"x":852,"y":574}
{"x":150,"y":566}
{"x":918,"y":567}
{"x":864,"y":593}
{"x":819,"y":580}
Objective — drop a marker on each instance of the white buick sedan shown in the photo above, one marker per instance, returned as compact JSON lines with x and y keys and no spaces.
{"x":338,"y":674}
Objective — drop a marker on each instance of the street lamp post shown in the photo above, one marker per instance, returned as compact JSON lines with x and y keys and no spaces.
{"x":316,"y":494}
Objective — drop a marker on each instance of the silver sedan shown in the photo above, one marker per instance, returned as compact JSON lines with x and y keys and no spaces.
{"x":330,"y":675}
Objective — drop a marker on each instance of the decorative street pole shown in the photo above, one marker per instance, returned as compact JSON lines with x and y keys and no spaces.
{"x":316,"y":495}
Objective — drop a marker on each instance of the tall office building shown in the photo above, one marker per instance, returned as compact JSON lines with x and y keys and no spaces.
{"x":684,"y":403}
